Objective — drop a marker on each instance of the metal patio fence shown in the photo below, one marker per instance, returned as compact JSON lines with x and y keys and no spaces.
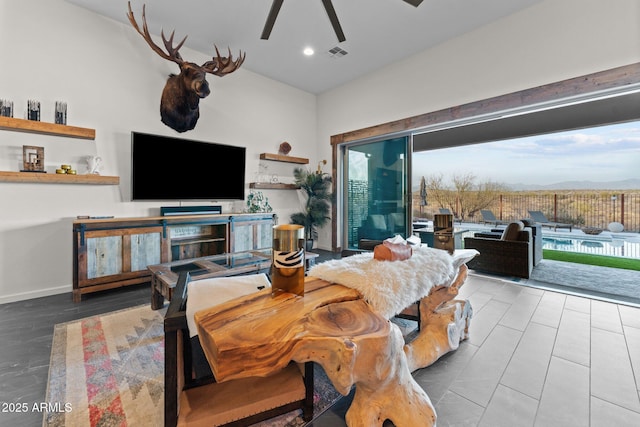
{"x":582,"y":209}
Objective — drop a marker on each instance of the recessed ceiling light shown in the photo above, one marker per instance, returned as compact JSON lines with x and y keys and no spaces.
{"x":308,"y":51}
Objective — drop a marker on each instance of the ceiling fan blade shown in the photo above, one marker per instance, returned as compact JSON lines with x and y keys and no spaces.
{"x":328,"y":6}
{"x":271,"y":19}
{"x":415,"y":3}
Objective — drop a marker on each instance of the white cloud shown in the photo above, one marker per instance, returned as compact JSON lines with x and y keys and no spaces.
{"x":606,"y":153}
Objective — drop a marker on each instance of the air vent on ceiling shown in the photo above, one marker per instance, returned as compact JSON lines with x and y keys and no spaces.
{"x":337,"y":52}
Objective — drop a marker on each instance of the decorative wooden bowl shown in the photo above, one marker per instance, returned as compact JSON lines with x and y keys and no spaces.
{"x":592,"y":230}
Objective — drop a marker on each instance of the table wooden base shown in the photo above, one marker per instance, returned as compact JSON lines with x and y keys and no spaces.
{"x":444,"y":323}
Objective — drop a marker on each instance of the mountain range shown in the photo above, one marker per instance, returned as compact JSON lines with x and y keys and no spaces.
{"x":627,"y":184}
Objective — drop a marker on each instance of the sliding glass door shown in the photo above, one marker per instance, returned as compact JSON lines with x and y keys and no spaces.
{"x":375,"y":192}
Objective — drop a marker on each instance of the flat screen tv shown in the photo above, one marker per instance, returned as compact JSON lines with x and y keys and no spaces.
{"x":166,"y":168}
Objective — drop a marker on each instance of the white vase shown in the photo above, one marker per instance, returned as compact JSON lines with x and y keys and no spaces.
{"x":94,"y":164}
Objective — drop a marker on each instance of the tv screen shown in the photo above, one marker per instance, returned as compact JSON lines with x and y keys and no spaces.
{"x":166,"y":168}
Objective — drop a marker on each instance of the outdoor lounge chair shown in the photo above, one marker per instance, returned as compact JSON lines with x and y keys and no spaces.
{"x":509,"y":255}
{"x":538,"y":216}
{"x":489,"y":218}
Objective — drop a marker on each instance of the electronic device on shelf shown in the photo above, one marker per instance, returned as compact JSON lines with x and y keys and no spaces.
{"x":190,"y":210}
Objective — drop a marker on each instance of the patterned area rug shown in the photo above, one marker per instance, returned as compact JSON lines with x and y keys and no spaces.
{"x":108,"y":370}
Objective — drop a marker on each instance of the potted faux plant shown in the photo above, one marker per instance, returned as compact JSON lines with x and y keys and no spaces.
{"x":316,"y":187}
{"x":256,"y":202}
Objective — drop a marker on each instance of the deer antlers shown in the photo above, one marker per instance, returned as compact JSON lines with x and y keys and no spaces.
{"x":219,"y":65}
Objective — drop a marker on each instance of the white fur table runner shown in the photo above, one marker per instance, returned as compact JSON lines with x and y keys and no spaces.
{"x":391,"y":286}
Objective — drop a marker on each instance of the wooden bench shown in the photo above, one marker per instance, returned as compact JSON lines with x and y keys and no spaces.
{"x":192,"y":400}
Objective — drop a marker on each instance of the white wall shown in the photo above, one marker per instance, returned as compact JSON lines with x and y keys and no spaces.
{"x":112,"y":82}
{"x":548,"y":42}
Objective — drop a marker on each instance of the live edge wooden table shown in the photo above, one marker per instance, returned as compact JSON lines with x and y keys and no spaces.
{"x":259,"y":334}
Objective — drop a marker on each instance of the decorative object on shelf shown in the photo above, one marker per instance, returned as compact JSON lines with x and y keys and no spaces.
{"x":33,"y":110}
{"x":61,"y":113}
{"x":181,"y":95}
{"x":284,"y":148}
{"x":315,"y":211}
{"x":320,"y":164}
{"x":263,"y":174}
{"x":256,"y":202}
{"x":32,"y":159}
{"x":6,"y":108}
{"x":66,"y":169}
{"x":287,"y":268}
{"x":94,"y":164}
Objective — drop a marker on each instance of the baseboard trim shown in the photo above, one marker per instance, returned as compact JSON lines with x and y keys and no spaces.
{"x":23,"y":296}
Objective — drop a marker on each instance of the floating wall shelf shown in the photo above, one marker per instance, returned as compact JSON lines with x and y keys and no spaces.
{"x":55,"y":178}
{"x":281,"y":158}
{"x":272,"y":186}
{"x":32,"y":126}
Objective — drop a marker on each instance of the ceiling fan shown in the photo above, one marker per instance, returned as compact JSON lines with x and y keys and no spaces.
{"x":331,"y":12}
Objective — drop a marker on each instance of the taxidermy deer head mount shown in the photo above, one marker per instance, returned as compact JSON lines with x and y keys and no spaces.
{"x":179,"y":107}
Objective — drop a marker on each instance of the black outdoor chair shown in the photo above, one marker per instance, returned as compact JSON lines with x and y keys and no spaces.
{"x":538,"y":216}
{"x":489,"y":218}
{"x":511,"y":254}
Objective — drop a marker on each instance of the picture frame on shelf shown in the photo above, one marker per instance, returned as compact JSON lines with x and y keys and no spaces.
{"x":32,"y":158}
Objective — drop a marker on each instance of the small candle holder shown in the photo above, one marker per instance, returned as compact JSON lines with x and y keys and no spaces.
{"x":61,"y":113}
{"x":6,"y":108}
{"x":66,"y":170}
{"x":33,"y":110}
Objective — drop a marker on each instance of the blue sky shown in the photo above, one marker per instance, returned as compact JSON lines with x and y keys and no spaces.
{"x":603,"y":154}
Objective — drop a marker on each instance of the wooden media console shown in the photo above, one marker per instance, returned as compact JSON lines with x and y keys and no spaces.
{"x":115,"y":252}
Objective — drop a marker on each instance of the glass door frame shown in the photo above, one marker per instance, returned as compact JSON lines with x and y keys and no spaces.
{"x":342,"y":187}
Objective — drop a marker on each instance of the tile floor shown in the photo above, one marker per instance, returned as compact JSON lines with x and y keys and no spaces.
{"x":534,"y":358}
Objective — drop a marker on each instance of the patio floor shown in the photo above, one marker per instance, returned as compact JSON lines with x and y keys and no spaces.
{"x":601,"y":283}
